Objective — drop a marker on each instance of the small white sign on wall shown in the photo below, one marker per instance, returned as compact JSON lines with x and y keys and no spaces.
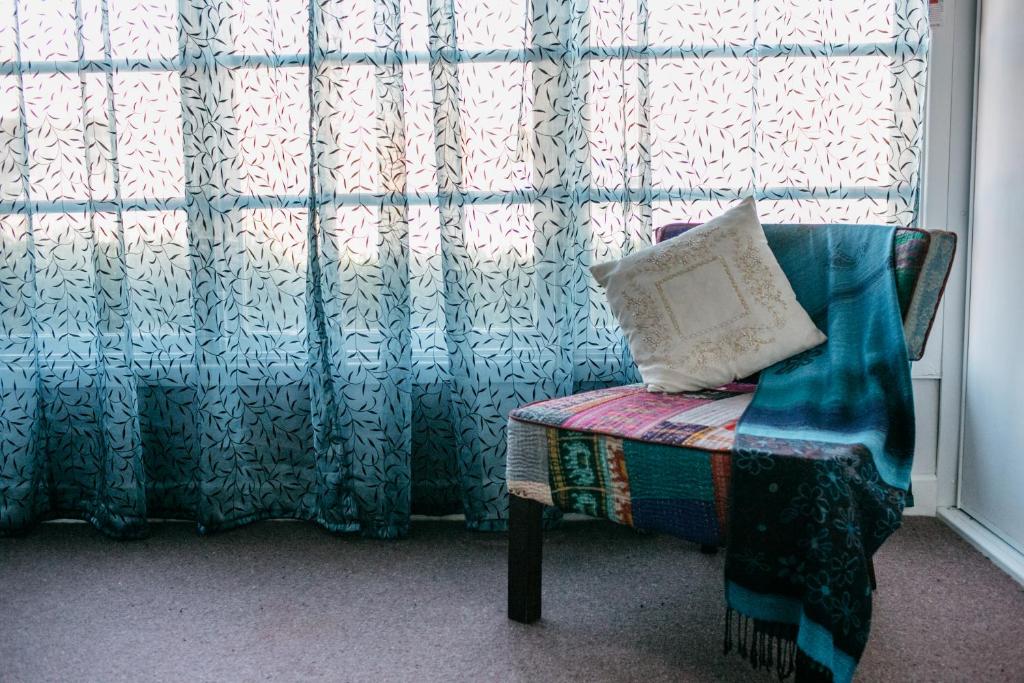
{"x":935,"y":8}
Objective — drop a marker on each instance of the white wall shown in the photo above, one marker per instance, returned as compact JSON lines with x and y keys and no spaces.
{"x":992,"y":476}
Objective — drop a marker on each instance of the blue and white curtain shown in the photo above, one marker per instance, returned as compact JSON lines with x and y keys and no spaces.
{"x":299,"y":258}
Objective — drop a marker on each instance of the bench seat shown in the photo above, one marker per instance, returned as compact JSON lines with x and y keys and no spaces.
{"x":658,"y":462}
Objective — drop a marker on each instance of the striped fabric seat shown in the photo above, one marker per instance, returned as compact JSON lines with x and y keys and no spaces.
{"x":661,"y":462}
{"x":654,"y":461}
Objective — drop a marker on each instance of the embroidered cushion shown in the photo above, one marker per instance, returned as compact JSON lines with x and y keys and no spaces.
{"x":707,"y":307}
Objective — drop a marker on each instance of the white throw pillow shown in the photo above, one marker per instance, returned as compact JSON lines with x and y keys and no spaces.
{"x":707,"y":307}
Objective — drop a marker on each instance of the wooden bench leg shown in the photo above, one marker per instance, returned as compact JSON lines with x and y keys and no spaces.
{"x":525,"y":528}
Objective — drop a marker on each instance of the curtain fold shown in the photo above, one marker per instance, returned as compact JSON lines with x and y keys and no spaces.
{"x":300,"y":258}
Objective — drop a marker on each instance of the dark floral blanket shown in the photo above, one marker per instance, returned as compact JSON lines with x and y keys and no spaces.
{"x":821,"y":462}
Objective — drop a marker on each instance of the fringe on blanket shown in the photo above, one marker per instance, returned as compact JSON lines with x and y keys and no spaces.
{"x":770,"y":645}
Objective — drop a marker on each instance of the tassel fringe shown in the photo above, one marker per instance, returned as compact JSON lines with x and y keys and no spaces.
{"x":765,"y":644}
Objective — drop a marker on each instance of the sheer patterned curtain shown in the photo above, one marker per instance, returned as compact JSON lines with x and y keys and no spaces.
{"x":300,"y":258}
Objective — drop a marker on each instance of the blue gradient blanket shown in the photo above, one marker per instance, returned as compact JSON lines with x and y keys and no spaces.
{"x":821,"y":462}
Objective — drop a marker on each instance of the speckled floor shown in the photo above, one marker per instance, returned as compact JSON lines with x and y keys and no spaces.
{"x":287,"y":601}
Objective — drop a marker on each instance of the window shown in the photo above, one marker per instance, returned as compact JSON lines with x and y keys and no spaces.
{"x":187,"y":138}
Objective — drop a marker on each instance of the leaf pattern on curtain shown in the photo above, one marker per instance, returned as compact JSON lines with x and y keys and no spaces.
{"x":300,"y":258}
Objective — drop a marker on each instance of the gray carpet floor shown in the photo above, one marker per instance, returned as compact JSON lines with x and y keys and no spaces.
{"x":287,"y":601}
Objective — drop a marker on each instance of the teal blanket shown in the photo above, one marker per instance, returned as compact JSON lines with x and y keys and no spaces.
{"x":821,"y":463}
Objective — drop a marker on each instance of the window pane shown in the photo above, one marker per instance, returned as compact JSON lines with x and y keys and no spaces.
{"x":8,"y":36}
{"x":347,"y":26}
{"x":615,"y":123}
{"x":415,"y":25}
{"x":499,"y":241}
{"x":149,"y":139}
{"x":56,"y":144}
{"x":275,"y":274}
{"x":159,"y":271}
{"x":491,"y":24}
{"x":685,"y":211}
{"x":701,"y":23}
{"x":813,"y":21}
{"x":824,"y":122}
{"x":143,"y":29}
{"x":420,"y":158}
{"x":65,"y":299}
{"x":614,"y":23}
{"x":427,"y":287}
{"x":12,"y":143}
{"x":96,"y":107}
{"x":490,"y":112}
{"x":271,"y":110}
{"x":15,"y":265}
{"x":865,"y":211}
{"x":701,"y":123}
{"x":347,"y":152}
{"x":47,"y":31}
{"x":268,"y":27}
{"x":354,"y":234}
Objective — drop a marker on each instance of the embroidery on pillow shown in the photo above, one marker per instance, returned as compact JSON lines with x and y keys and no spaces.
{"x":682,"y":335}
{"x":661,"y":325}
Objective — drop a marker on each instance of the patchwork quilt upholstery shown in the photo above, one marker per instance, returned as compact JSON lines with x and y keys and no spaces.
{"x":661,"y":462}
{"x":658,"y":462}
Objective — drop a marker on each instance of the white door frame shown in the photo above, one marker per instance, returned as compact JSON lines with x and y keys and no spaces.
{"x":945,"y":205}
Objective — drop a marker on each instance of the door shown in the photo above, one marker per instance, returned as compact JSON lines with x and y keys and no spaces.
{"x":992,"y":475}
